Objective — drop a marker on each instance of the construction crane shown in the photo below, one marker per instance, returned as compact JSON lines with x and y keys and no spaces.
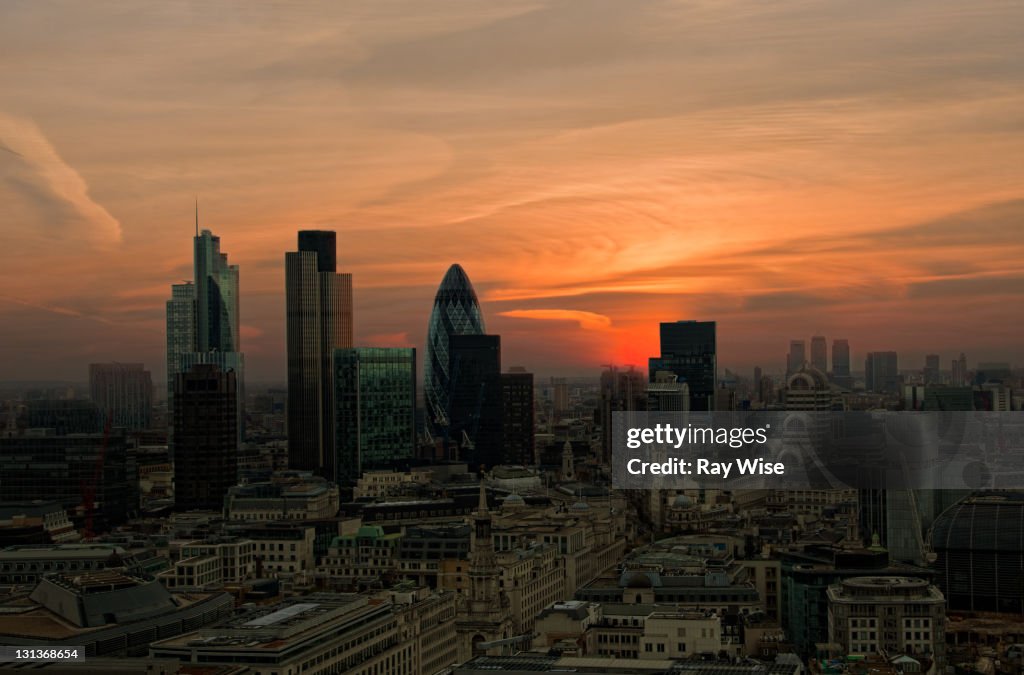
{"x":89,"y":488}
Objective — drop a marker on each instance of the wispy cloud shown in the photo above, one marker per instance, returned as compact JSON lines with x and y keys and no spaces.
{"x":586,"y":320}
{"x":35,"y":173}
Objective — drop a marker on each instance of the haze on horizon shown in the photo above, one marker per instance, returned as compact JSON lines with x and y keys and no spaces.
{"x":852,"y":169}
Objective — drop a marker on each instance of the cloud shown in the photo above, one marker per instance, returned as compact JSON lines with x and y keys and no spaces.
{"x":586,"y":320}
{"x":33,"y":174}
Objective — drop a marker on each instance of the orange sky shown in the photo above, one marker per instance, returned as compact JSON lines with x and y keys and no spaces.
{"x":847,"y":168}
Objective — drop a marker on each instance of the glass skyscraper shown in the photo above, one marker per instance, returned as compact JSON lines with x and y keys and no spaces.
{"x":375,"y":409}
{"x":456,"y":312}
{"x":319,"y":320}
{"x":689,"y":349}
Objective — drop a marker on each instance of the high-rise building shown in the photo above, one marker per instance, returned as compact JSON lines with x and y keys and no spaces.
{"x":181,"y":330}
{"x":205,"y":436}
{"x":375,"y":409}
{"x":797,"y":356}
{"x":203,"y":320}
{"x":456,"y":312}
{"x":959,"y":368}
{"x":840,"y":358}
{"x":881,"y":372}
{"x":621,"y":391}
{"x":559,"y":397}
{"x":124,"y":394}
{"x":819,"y":353}
{"x":517,"y":418}
{"x":689,"y":349}
{"x":475,"y":398}
{"x":319,"y":320}
{"x":216,"y":288}
{"x":931,"y":369}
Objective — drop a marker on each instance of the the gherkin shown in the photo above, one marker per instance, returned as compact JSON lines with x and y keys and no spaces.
{"x":456,"y":312}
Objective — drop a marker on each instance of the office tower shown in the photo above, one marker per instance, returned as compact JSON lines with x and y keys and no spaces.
{"x":203,"y":320}
{"x":124,"y":394}
{"x":665,"y":393}
{"x":517,"y":418}
{"x":559,"y":397}
{"x":959,"y":368}
{"x":819,"y":353}
{"x":181,"y":330}
{"x":475,"y":398}
{"x":881,"y":373}
{"x":205,"y":436}
{"x":319,"y":320}
{"x":375,"y":410}
{"x":931,"y":369}
{"x":688,"y":349}
{"x":216,"y":289}
{"x":840,"y":358}
{"x":93,"y":481}
{"x":621,"y":391}
{"x":797,"y":356}
{"x":456,"y":312}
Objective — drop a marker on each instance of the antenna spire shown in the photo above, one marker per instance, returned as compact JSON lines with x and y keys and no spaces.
{"x":197,"y":216}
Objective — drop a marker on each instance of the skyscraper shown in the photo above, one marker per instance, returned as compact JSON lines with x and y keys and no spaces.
{"x":797,"y":356}
{"x":375,"y":409}
{"x":319,"y":320}
{"x":203,"y":320}
{"x":517,"y":418}
{"x":456,"y":312}
{"x":475,"y":401}
{"x":205,"y":436}
{"x":819,"y":353}
{"x":216,"y":289}
{"x":881,"y":372}
{"x":181,"y":330}
{"x":841,"y":364}
{"x":689,"y":349}
{"x":124,"y":394}
{"x":931,"y":369}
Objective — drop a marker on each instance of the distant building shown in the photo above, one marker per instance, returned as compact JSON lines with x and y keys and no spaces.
{"x":665,"y":393}
{"x":319,"y":320}
{"x":819,"y":353}
{"x":205,"y":437}
{"x":797,"y":356}
{"x":882,"y":373}
{"x":689,"y":349}
{"x":841,"y":363}
{"x":124,"y":394}
{"x":282,"y":498}
{"x":375,"y":409}
{"x":931,"y":369}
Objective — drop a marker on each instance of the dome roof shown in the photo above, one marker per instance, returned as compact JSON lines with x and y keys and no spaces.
{"x":986,"y":522}
{"x":682,"y":500}
{"x":513,"y":500}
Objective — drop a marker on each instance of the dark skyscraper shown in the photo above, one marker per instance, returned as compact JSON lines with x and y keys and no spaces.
{"x":797,"y":356}
{"x":689,"y":349}
{"x":517,"y":418}
{"x":841,"y":364}
{"x":456,"y":312}
{"x":881,"y":372}
{"x":124,"y":394}
{"x":375,"y":419}
{"x":819,"y":353}
{"x":475,"y":398}
{"x":205,"y":436}
{"x":319,"y":320}
{"x":931,"y":369}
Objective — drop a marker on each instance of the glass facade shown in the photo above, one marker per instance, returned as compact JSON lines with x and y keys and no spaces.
{"x":456,"y":312}
{"x":688,"y":349}
{"x":375,"y":409}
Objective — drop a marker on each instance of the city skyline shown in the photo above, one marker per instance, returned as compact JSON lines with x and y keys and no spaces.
{"x":813,"y":193}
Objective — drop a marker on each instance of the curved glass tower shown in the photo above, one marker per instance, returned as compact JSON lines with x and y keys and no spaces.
{"x":456,"y":312}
